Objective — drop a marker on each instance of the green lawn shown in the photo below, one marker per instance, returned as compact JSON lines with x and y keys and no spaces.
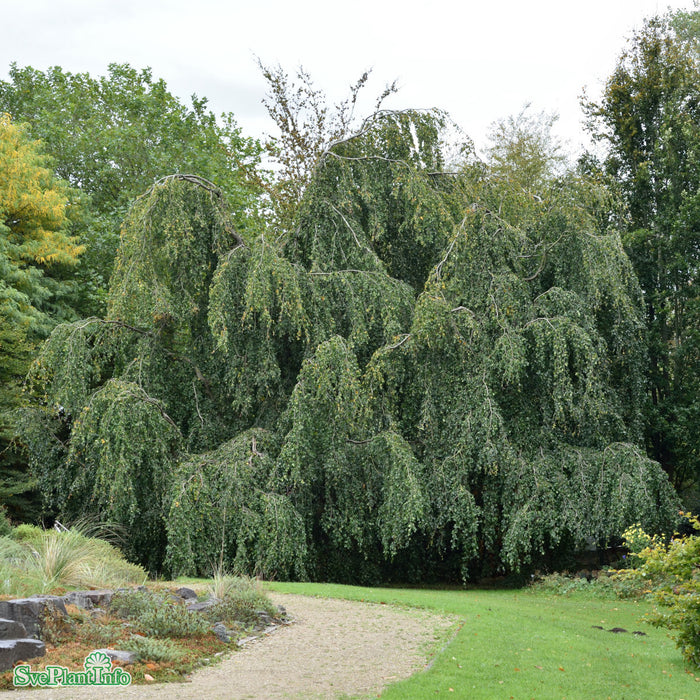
{"x":529,"y":644}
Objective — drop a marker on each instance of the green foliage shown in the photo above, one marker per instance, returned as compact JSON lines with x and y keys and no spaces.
{"x":152,"y":649}
{"x":669,"y":571}
{"x":38,"y":257}
{"x":561,"y":584}
{"x":239,"y":604}
{"x":421,"y":370}
{"x":130,"y":604}
{"x":649,"y":119}
{"x":156,"y":615}
{"x":125,"y":131}
{"x":36,"y":560}
{"x":222,"y":511}
{"x":5,"y":527}
{"x":171,"y":620}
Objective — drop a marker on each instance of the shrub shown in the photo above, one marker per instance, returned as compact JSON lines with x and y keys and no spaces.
{"x":131,"y":604}
{"x":5,"y":527}
{"x":637,"y":541}
{"x":26,"y":533}
{"x":55,"y":559}
{"x":157,"y":616}
{"x":671,"y":573}
{"x":172,"y":620}
{"x":562,"y":584}
{"x":15,"y":578}
{"x":151,"y":649}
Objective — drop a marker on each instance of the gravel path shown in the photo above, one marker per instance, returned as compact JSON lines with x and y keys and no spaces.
{"x":334,"y":648}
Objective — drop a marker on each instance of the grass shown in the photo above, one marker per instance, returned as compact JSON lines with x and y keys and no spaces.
{"x":531,"y":643}
{"x":534,"y":644}
{"x":44,"y":561}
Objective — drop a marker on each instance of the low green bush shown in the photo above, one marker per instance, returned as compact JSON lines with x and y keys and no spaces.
{"x":130,"y":604}
{"x":670,"y":573}
{"x":45,"y":560}
{"x":5,"y":527}
{"x":564,"y":584}
{"x":152,"y":649}
{"x":172,"y":620}
{"x":156,"y":615}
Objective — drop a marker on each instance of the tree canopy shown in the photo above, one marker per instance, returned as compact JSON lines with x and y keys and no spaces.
{"x":649,"y":119}
{"x":38,"y":256}
{"x":113,"y":136}
{"x":417,"y":373}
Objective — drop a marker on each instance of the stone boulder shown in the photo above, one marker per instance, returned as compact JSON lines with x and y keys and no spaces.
{"x":30,"y":611}
{"x":89,"y":599}
{"x":14,"y":650}
{"x":203,"y":605}
{"x":11,"y":629}
{"x":125,"y":657}
{"x":186,"y":593}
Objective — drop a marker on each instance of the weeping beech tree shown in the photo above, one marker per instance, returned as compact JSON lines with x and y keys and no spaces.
{"x":425,"y":374}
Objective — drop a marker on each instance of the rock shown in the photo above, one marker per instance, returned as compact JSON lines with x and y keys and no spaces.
{"x":125,"y":657}
{"x":11,"y":629}
{"x":245,"y":640}
{"x":282,"y":610}
{"x":186,"y":593}
{"x":89,"y":599}
{"x":77,"y":598}
{"x":203,"y":605}
{"x":221,"y":632}
{"x":14,"y":650}
{"x":29,"y":611}
{"x":148,"y":677}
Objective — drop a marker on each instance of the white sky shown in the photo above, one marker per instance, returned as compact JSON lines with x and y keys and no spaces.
{"x":480,"y":60}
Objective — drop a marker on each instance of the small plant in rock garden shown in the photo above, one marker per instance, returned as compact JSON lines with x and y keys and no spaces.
{"x":221,"y":584}
{"x":239,"y":600}
{"x":130,"y":604}
{"x":172,"y":620}
{"x":156,"y":615}
{"x":33,"y":559}
{"x":152,"y":649}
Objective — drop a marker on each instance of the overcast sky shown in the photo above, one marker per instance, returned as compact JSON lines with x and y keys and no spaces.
{"x":481,"y":61}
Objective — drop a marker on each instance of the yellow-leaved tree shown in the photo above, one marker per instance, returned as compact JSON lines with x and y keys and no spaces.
{"x":37,"y":257}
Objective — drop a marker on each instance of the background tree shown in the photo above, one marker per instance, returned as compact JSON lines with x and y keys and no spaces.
{"x":38,"y":257}
{"x":649,"y":119}
{"x":112,"y":136}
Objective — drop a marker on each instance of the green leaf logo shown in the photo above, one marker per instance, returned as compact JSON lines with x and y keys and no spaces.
{"x":98,"y":659}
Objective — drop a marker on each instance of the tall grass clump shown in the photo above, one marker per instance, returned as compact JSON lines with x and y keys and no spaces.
{"x":38,"y":560}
